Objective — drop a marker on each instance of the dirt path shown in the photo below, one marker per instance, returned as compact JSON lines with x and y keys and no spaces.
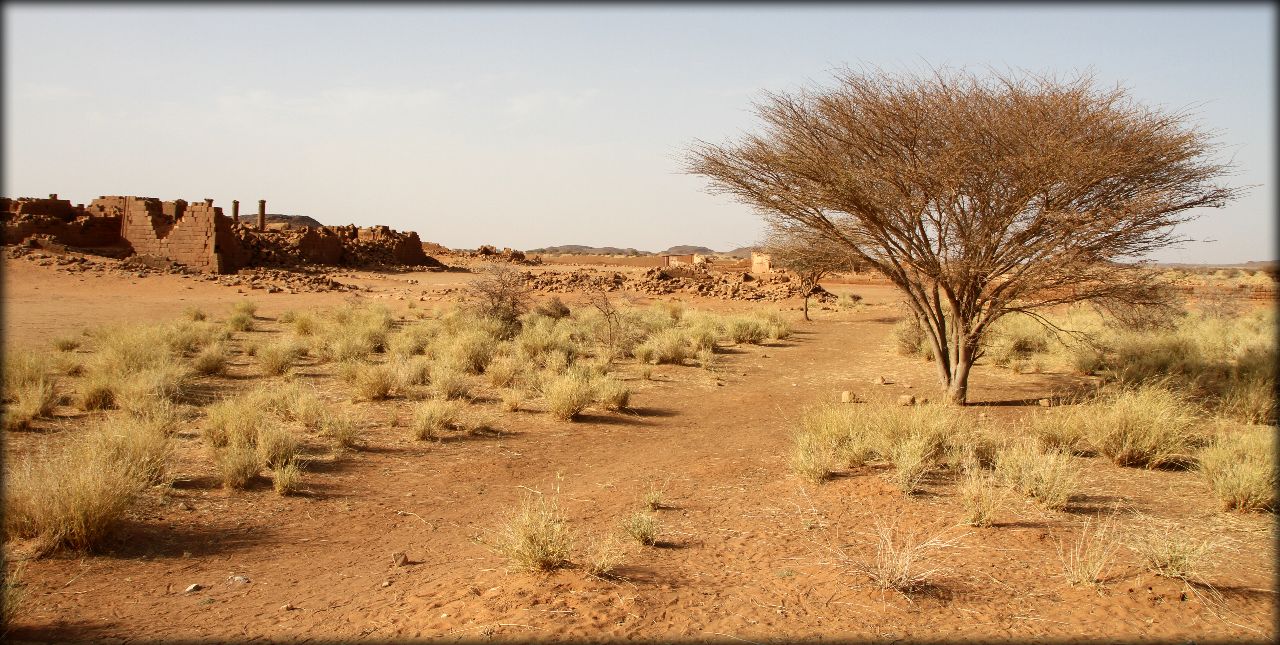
{"x":746,"y":550}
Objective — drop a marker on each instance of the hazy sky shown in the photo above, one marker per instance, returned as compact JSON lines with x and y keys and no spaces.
{"x":533,"y":126}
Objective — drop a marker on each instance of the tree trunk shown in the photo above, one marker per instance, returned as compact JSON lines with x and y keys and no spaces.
{"x":958,"y":388}
{"x":806,"y":305}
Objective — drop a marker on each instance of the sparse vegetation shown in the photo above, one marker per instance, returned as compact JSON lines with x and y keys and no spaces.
{"x":1172,"y":551}
{"x":534,"y":537}
{"x":1085,"y":560}
{"x":568,"y":395}
{"x":643,"y":527}
{"x":901,"y":559}
{"x":431,"y":419}
{"x":68,"y":498}
{"x":1150,"y":426}
{"x":981,"y":498}
{"x":1049,"y":476}
{"x":1240,"y":467}
{"x":286,"y":479}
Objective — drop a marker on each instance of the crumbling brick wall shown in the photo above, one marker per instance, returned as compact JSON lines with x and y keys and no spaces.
{"x":200,"y":238}
{"x":59,"y":220}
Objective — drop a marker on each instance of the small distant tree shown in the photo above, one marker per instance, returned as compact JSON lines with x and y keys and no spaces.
{"x":977,"y":197}
{"x":501,"y":293}
{"x":809,"y":255}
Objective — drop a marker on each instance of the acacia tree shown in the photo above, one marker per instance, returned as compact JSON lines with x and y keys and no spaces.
{"x":809,"y":255}
{"x":976,"y":196}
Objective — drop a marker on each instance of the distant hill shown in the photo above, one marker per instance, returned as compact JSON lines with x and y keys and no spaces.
{"x":685,"y":249}
{"x":578,"y":249}
{"x":681,"y":249}
{"x":741,"y":252}
{"x":294,"y":221}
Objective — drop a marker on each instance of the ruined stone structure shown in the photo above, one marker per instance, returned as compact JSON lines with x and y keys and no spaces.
{"x":196,"y":235}
{"x":57,"y":219}
{"x":199,"y":236}
{"x":761,"y":262}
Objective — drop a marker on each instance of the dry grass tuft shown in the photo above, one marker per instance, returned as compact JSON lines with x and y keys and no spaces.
{"x":238,"y":463}
{"x":139,"y":445}
{"x":612,"y":394}
{"x":1240,"y":467}
{"x":211,"y":361}
{"x":448,"y":381}
{"x":341,"y":429}
{"x":568,"y":395}
{"x":643,"y":527}
{"x":31,"y":400}
{"x":1149,"y":426}
{"x":286,"y":479}
{"x":1048,"y":476}
{"x":1087,"y":558}
{"x":68,"y":499}
{"x":277,"y":446}
{"x":534,"y":537}
{"x":604,"y":556}
{"x":240,"y":322}
{"x":97,"y":392}
{"x":246,"y":307}
{"x":12,"y":594}
{"x":503,"y":370}
{"x":66,"y":344}
{"x":1172,"y":552}
{"x":431,"y":419}
{"x":512,"y":399}
{"x":194,"y":314}
{"x":276,"y":359}
{"x":981,"y":498}
{"x":375,"y":382}
{"x":901,"y":560}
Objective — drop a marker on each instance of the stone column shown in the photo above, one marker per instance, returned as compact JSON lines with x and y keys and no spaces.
{"x":235,"y":210}
{"x":262,"y":214}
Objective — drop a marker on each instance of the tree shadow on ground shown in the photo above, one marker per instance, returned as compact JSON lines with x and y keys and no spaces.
{"x":137,"y":538}
{"x":611,"y":419}
{"x":62,"y":631}
{"x":1085,"y":504}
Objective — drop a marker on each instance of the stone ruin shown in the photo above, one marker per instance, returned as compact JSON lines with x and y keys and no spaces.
{"x":199,"y":236}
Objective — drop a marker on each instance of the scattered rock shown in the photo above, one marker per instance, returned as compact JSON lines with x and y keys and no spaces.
{"x":907,"y":399}
{"x":386,"y":583}
{"x":399,"y":559}
{"x":238,"y":580}
{"x":287,"y":607}
{"x":193,"y":588}
{"x":1044,"y":403}
{"x":846,"y":397}
{"x":879,"y":380}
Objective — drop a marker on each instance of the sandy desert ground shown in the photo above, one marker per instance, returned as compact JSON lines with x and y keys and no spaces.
{"x":746,"y":550}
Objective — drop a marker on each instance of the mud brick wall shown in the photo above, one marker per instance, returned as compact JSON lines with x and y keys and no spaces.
{"x":201,"y":238}
{"x":108,"y":205}
{"x":88,"y":232}
{"x":51,"y":207}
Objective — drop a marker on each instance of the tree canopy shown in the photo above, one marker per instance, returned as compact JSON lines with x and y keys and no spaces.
{"x":976,"y":196}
